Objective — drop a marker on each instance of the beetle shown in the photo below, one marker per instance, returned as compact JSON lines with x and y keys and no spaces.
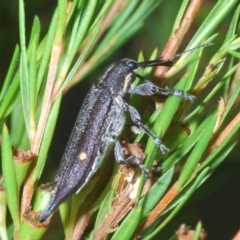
{"x":100,"y":122}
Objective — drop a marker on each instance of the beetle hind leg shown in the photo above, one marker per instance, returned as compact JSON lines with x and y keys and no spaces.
{"x":137,"y":120}
{"x":119,"y":156}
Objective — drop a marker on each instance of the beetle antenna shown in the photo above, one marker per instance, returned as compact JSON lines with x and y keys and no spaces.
{"x":190,"y":50}
{"x":168,"y":62}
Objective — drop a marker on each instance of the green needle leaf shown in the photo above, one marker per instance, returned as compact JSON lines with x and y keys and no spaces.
{"x":9,"y":176}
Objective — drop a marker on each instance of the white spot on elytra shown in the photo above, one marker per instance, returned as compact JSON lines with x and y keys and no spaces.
{"x":82,"y":156}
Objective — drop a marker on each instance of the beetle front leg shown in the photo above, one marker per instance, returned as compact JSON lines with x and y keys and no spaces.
{"x":148,"y":88}
{"x":137,"y":120}
{"x":119,"y":156}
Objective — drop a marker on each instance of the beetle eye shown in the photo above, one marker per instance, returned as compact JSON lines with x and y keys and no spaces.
{"x":132,"y":64}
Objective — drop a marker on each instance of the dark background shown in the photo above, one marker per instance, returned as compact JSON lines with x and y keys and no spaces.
{"x":219,"y":210}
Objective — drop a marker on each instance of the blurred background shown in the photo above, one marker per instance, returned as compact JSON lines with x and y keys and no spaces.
{"x":217,"y":202}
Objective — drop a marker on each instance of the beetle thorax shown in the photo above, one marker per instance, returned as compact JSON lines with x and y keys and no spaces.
{"x":116,"y":78}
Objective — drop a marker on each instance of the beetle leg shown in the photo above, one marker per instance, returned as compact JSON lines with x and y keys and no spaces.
{"x":148,"y":88}
{"x":119,"y":156}
{"x":137,"y":120}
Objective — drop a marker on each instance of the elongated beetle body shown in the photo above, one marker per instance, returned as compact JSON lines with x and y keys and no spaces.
{"x":99,"y":123}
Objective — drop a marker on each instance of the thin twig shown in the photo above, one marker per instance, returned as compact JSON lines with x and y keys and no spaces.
{"x":177,"y":36}
{"x":80,"y":227}
{"x":35,"y":145}
{"x":158,"y":209}
{"x":225,"y":133}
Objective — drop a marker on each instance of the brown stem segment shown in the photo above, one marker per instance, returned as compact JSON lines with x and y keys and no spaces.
{"x":35,"y":145}
{"x":177,"y":36}
{"x":155,"y":213}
